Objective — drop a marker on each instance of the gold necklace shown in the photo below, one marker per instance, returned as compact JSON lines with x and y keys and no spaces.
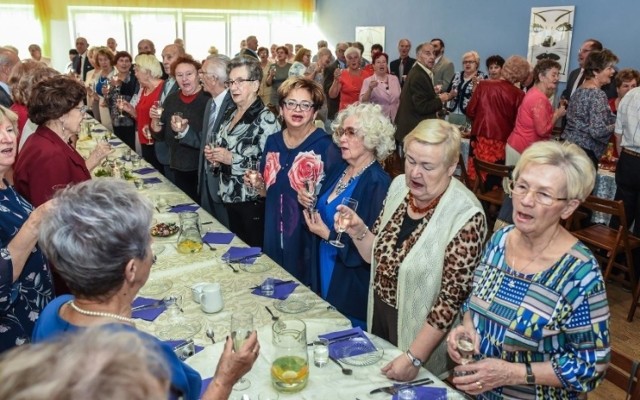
{"x":511,"y":283}
{"x":101,"y":314}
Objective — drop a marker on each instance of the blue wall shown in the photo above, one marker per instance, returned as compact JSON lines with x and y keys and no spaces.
{"x":487,"y":26}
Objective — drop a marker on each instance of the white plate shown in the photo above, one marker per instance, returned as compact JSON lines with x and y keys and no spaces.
{"x":255,"y":267}
{"x":356,"y":345}
{"x":180,"y":329}
{"x":293,"y":304}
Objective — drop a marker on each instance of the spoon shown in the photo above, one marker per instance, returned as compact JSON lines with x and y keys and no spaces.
{"x":210,"y":335}
{"x":273,"y":316}
{"x":346,"y":371}
{"x":232,"y":268}
{"x":210,"y":246}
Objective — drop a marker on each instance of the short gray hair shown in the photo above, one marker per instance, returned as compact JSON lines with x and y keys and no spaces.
{"x":219,"y":64}
{"x":150,"y":64}
{"x":252,"y":65}
{"x":372,"y":125}
{"x":352,"y":50}
{"x":92,"y":231}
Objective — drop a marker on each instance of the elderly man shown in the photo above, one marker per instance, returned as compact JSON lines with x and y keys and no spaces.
{"x":576,"y":77}
{"x":8,"y":59}
{"x":341,"y":62}
{"x":252,"y":48}
{"x":418,"y":100}
{"x":213,"y":75}
{"x":112,"y":45}
{"x":443,"y":69}
{"x":322,"y":44}
{"x":401,"y":66}
{"x":81,"y":65}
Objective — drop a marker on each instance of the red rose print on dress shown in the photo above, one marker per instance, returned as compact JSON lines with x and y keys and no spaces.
{"x":307,"y":166}
{"x":271,"y":168}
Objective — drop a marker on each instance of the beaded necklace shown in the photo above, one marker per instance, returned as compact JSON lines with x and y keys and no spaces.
{"x":341,"y":186}
{"x":100,"y":314}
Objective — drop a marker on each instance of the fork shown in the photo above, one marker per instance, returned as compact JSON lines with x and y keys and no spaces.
{"x":398,"y":388}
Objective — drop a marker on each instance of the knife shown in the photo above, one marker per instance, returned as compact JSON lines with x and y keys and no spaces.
{"x":243,"y":258}
{"x":275,"y":284}
{"x":155,"y":304}
{"x":417,"y":382}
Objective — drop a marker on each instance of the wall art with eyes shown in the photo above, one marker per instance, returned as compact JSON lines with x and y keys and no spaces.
{"x":550,"y":33}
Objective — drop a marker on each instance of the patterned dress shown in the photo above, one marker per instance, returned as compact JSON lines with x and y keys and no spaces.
{"x":21,"y":301}
{"x":559,"y":315}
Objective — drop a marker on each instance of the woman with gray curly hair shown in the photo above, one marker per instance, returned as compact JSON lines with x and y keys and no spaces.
{"x":105,"y":259}
{"x":364,"y":135}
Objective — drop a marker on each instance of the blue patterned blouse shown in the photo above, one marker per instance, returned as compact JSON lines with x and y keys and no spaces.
{"x":21,"y":301}
{"x":559,"y":315}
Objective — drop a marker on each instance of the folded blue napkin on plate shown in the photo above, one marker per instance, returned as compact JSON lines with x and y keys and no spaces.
{"x":151,"y":180}
{"x":144,"y":171}
{"x":245,"y":253}
{"x":427,"y":393}
{"x":218,"y":237}
{"x":280,"y":292}
{"x":187,"y":207}
{"x":148,"y":314}
{"x":205,"y":385}
{"x":354,"y":340}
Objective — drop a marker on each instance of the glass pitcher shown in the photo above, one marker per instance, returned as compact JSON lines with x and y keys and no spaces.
{"x":290,"y":366}
{"x":189,"y":240}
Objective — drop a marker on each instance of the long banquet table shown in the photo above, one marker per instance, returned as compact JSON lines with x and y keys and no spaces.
{"x":174,"y":273}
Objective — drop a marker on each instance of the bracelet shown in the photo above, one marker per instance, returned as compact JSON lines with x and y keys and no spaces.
{"x":362,"y":234}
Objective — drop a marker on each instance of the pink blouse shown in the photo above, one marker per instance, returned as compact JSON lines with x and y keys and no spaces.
{"x":534,"y":121}
{"x":386,"y":94}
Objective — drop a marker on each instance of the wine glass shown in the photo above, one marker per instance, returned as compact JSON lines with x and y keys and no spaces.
{"x":343,"y":219}
{"x":311,"y":186}
{"x":254,"y":171}
{"x":241,"y":327}
{"x":120,"y":105}
{"x":177,"y":119}
{"x":466,"y":347}
{"x":159,"y":109}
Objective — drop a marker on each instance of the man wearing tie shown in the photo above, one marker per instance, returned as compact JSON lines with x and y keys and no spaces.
{"x":213,"y":75}
{"x":402,"y":65}
{"x":81,"y":65}
{"x":8,"y":59}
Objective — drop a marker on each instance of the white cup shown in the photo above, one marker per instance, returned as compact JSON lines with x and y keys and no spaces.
{"x":196,"y":291}
{"x":211,"y":298}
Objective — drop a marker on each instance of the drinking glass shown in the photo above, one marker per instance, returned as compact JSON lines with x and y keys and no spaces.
{"x":343,"y":220}
{"x":311,"y":186}
{"x":466,"y":347}
{"x":177,"y":121}
{"x":159,"y":110}
{"x":254,"y":171}
{"x":241,"y":327}
{"x":120,"y":105}
{"x":320,"y":352}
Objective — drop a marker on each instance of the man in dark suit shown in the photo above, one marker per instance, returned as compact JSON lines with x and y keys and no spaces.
{"x":576,"y":77}
{"x":213,"y":74}
{"x":81,"y":64}
{"x":252,"y":48}
{"x":8,"y":59}
{"x":329,"y":71}
{"x":404,"y":63}
{"x":418,"y":100}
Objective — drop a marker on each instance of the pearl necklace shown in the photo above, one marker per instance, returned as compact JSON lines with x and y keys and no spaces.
{"x":511,"y":283}
{"x":101,"y":314}
{"x":341,"y":186}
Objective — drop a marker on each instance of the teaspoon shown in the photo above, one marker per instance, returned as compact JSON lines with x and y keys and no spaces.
{"x":346,"y":371}
{"x":210,"y":335}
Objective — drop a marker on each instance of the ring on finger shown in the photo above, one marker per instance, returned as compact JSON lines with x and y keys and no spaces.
{"x":479,"y":384}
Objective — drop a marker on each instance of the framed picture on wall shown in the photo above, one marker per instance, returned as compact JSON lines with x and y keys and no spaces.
{"x":550,"y":33}
{"x":369,"y":35}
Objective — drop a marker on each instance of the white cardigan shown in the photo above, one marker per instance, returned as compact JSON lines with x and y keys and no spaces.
{"x":420,"y":274}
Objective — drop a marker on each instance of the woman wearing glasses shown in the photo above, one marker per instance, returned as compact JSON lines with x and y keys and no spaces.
{"x":538,"y":313}
{"x":239,"y":142}
{"x":299,"y":154}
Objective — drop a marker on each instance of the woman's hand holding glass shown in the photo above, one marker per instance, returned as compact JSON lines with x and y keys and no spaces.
{"x":354,"y":224}
{"x":101,"y":150}
{"x":155,"y":112}
{"x":221,"y":155}
{"x":178,"y":122}
{"x":343,"y":219}
{"x":315,"y":223}
{"x":253,"y":179}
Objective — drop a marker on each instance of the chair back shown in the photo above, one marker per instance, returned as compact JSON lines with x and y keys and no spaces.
{"x":499,"y":170}
{"x":624,"y":373}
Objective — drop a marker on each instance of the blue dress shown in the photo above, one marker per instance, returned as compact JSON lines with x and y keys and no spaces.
{"x":21,"y":301}
{"x":184,"y":379}
{"x":286,"y":238}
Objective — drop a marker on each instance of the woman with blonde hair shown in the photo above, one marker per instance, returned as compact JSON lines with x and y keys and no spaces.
{"x":462,"y":87}
{"x":300,"y":63}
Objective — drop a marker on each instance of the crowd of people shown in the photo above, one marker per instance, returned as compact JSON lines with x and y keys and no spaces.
{"x":418,"y":265}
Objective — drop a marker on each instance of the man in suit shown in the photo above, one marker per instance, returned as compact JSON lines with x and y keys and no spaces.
{"x":576,"y":77}
{"x":252,"y":48}
{"x":213,"y":74}
{"x":418,"y":100}
{"x":81,"y":65}
{"x":443,"y":70}
{"x":404,"y":63}
{"x":8,"y":59}
{"x":333,"y":104}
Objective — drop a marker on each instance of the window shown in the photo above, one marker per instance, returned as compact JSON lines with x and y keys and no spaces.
{"x":202,"y":33}
{"x":20,"y":28}
{"x":96,"y":27}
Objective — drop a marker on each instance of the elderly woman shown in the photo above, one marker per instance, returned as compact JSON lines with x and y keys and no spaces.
{"x":102,"y":75}
{"x":365,"y":137}
{"x":423,"y":249}
{"x":147,"y":72}
{"x":462,"y":87}
{"x":105,"y":279}
{"x":183,"y":111}
{"x":265,"y":91}
{"x":20,"y":98}
{"x":626,"y":79}
{"x":554,"y":341}
{"x":36,"y":55}
{"x":382,"y":88}
{"x":278,"y":73}
{"x":299,"y":153}
{"x":493,"y":109}
{"x":348,"y":82}
{"x":25,"y":280}
{"x":123,"y":83}
{"x":241,"y":140}
{"x":589,"y":119}
{"x":48,"y":161}
{"x":494,"y":66}
{"x":300,"y":63}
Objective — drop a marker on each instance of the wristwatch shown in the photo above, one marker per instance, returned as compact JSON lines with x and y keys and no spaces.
{"x":530,"y":377}
{"x":415,"y":361}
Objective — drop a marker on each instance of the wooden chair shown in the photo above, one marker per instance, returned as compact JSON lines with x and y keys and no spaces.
{"x":607,"y":243}
{"x":625,"y":374}
{"x":461,"y":173}
{"x":491,"y":198}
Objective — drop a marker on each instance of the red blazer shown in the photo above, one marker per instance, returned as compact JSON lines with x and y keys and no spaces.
{"x":45,"y":164}
{"x":494,"y":108}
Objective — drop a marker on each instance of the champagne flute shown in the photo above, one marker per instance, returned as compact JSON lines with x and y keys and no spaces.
{"x":254,"y":171}
{"x":311,"y":188}
{"x":343,"y":220}
{"x":159,"y":110}
{"x":241,"y":327}
{"x":120,"y":105}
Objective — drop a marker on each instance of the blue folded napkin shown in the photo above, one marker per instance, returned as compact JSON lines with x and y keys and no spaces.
{"x":148,"y":314}
{"x":98,"y":130}
{"x":235,"y":253}
{"x":144,"y":171}
{"x":176,"y":343}
{"x":218,"y":237}
{"x":353,"y":339}
{"x":187,"y":207}
{"x":426,"y":393}
{"x":205,"y":385}
{"x":151,"y":180}
{"x":280,"y":292}
{"x":115,"y":142}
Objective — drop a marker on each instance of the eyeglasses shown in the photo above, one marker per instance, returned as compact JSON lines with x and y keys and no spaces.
{"x":349,"y":132}
{"x":82,"y":109}
{"x":545,"y":199}
{"x":468,"y":62}
{"x":238,"y":81}
{"x":292,"y":105}
{"x":209,"y":74}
